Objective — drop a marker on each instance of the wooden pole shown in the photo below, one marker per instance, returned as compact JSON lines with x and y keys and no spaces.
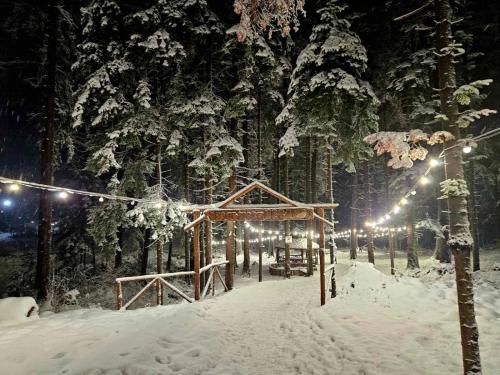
{"x":288,"y":270}
{"x":321,"y":229}
{"x":310,"y":265}
{"x":260,"y":263}
{"x":196,"y":256}
{"x":119,"y":296}
{"x":230,"y":254}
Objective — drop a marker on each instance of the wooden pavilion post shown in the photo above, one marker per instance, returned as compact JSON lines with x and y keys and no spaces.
{"x":310,"y":265}
{"x":321,"y":230}
{"x":230,"y":254}
{"x":287,"y":250}
{"x":196,"y":256}
{"x":261,"y":246}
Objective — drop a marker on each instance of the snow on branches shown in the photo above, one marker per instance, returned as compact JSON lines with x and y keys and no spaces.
{"x":454,"y":188}
{"x":405,"y":147}
{"x":267,"y":15}
{"x":288,"y":142}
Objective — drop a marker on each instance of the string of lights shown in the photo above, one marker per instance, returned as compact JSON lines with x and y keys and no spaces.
{"x":62,"y":193}
{"x":467,"y":145}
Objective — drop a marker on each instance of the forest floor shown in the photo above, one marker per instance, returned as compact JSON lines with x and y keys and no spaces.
{"x":378,"y":324}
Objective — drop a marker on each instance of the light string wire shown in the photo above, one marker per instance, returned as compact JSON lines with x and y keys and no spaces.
{"x":35,"y":185}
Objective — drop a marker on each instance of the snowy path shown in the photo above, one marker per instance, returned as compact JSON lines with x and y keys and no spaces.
{"x":381,"y":326}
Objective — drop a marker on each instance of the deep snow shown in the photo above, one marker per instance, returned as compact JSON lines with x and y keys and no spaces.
{"x":382,"y":325}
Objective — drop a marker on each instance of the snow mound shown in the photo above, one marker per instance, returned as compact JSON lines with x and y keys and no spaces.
{"x":18,"y":309}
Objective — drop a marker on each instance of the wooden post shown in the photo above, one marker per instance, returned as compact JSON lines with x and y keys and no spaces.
{"x":310,"y":265}
{"x":119,"y":296}
{"x":159,"y":293}
{"x":196,"y":256}
{"x":260,"y":263}
{"x":230,"y":254}
{"x":288,"y":270}
{"x":391,"y":249}
{"x":321,"y":230}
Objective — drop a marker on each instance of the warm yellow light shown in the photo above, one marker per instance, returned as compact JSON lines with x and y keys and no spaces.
{"x":433,"y":162}
{"x":424,"y":180}
{"x":14,"y":187}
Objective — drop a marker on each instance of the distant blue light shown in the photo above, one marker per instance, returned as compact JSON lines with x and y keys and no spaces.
{"x":7,"y":203}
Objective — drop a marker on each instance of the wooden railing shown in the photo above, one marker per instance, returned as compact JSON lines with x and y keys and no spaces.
{"x":211,"y":279}
{"x":160,"y":281}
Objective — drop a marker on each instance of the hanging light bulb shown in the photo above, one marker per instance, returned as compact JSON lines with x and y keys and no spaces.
{"x":467,"y":148}
{"x":424,"y":180}
{"x":101,"y":199}
{"x":404,"y":201}
{"x":14,"y":188}
{"x":413,"y":192}
{"x":434,"y":162}
{"x":62,"y":195}
{"x":387,"y":216}
{"x":396,"y":209}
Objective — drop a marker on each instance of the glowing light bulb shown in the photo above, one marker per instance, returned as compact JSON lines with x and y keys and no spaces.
{"x":101,"y":199}
{"x":7,"y":203}
{"x":404,"y":201}
{"x":387,"y":216}
{"x":14,"y":187}
{"x":424,"y":180}
{"x":62,"y":195}
{"x":433,"y":162}
{"x":467,"y":149}
{"x":413,"y":192}
{"x":396,"y":209}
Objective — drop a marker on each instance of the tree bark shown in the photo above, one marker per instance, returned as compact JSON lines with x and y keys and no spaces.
{"x":354,"y":215}
{"x":473,"y":215}
{"x":308,"y":169}
{"x":314,"y":171}
{"x":187,"y":247}
{"x":246,"y":234}
{"x":411,"y":245}
{"x":47,"y":158}
{"x":333,"y":247}
{"x":371,"y":254}
{"x":460,"y":239}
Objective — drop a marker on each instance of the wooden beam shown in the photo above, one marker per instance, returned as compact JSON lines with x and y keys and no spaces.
{"x":196,"y":256}
{"x":260,"y":262}
{"x":321,"y":230}
{"x":119,"y":296}
{"x":259,"y":214}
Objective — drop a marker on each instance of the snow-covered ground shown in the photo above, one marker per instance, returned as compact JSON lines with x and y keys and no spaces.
{"x":377,"y":325}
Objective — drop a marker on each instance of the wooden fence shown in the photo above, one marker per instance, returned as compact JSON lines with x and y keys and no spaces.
{"x":160,"y":281}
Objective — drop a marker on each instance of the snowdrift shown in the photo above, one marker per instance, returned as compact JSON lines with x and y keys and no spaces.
{"x":18,"y":309}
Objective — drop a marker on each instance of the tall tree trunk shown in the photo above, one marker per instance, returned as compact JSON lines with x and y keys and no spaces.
{"x":159,"y":244}
{"x":333,"y":247}
{"x":308,"y":169}
{"x":442,"y":219}
{"x":47,"y":158}
{"x":392,"y":237}
{"x":145,"y":251}
{"x":208,"y":223}
{"x":371,"y":254}
{"x":286,"y":191}
{"x":354,"y":218}
{"x":460,"y":239}
{"x":473,"y":216}
{"x":246,"y":234}
{"x":411,"y":243}
{"x":169,"y":257}
{"x":314,"y":172}
{"x":187,"y":247}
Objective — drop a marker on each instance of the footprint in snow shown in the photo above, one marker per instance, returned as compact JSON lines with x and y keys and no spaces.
{"x":59,"y":355}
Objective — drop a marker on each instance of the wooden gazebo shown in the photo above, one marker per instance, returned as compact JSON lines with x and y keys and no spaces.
{"x":231,"y":211}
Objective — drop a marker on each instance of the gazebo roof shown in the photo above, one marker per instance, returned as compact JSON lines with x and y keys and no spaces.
{"x":228,"y":210}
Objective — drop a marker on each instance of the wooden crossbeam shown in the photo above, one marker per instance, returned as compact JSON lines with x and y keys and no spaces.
{"x":259,"y":214}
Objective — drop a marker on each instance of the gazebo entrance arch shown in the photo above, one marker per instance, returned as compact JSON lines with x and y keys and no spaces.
{"x":231,"y":212}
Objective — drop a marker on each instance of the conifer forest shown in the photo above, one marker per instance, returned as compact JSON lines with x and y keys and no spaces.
{"x":249,"y":187}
